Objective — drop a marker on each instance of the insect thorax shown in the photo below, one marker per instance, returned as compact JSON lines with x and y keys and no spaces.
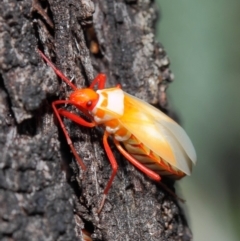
{"x":110,"y":105}
{"x":109,"y":109}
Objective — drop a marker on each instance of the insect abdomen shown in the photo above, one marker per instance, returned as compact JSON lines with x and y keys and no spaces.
{"x":140,"y":152}
{"x":149,"y":159}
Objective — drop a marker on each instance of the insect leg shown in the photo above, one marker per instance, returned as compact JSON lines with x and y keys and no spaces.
{"x":153,"y":175}
{"x":100,"y":79}
{"x":56,"y":70}
{"x":74,"y":118}
{"x":145,"y":170}
{"x":114,"y":168}
{"x":79,"y":120}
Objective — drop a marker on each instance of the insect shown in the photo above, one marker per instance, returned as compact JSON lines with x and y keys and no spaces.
{"x":145,"y":136}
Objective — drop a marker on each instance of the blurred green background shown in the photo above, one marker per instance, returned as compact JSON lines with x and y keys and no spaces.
{"x":202,"y":39}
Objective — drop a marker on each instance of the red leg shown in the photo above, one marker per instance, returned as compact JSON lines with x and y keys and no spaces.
{"x":100,"y":79}
{"x":114,"y":168}
{"x":153,"y":175}
{"x":56,"y":70}
{"x":79,"y":120}
{"x":74,"y":118}
{"x":145,"y":170}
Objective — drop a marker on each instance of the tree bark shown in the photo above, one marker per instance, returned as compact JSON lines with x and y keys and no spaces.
{"x":44,"y":195}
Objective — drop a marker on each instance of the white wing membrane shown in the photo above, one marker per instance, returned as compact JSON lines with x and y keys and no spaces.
{"x":159,"y":133}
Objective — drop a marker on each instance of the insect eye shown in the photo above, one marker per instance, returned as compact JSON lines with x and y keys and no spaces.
{"x":89,"y":103}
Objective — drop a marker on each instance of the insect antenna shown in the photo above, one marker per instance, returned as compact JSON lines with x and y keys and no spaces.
{"x":56,"y":70}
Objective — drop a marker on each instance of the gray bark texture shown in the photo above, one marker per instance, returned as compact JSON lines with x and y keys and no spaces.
{"x":44,"y":195}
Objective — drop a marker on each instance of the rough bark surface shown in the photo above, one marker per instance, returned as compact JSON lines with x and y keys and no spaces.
{"x":43,"y":193}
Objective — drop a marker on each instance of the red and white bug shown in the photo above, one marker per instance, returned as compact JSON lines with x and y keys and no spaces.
{"x":149,"y":139}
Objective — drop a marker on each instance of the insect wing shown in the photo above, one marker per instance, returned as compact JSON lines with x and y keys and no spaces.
{"x":159,"y":133}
